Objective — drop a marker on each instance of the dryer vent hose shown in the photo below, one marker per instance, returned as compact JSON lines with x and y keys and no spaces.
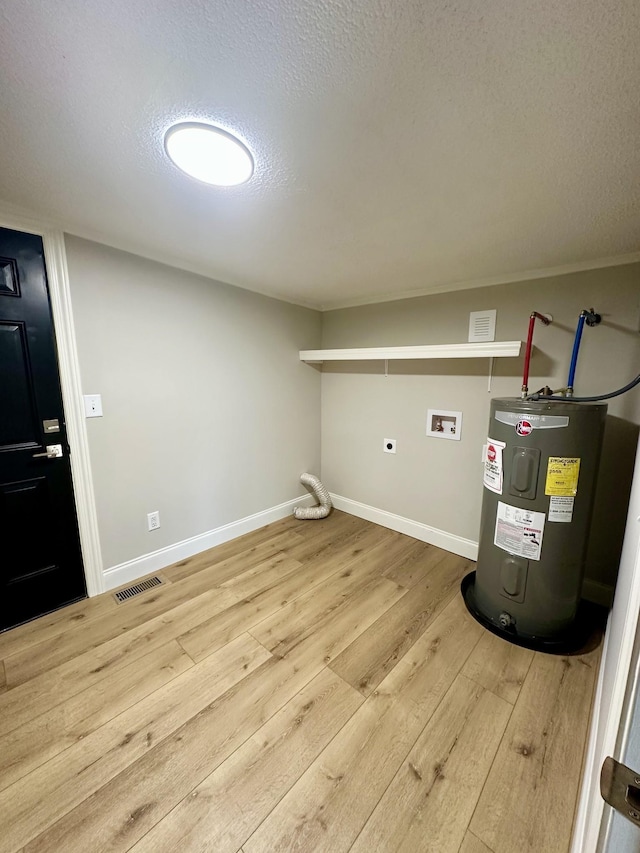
{"x":322,"y":495}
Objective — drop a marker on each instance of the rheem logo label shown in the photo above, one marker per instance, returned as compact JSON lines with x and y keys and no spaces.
{"x":523,"y":427}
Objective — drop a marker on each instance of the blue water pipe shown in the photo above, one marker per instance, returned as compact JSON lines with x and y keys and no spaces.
{"x":574,"y":354}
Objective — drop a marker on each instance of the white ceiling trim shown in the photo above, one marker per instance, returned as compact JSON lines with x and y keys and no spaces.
{"x":449,"y":287}
{"x":408,"y":147}
{"x":185,"y":266}
{"x":472,"y":284}
{"x":16,"y":211}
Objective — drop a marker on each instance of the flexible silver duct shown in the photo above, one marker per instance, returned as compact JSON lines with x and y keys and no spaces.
{"x":321,"y":493}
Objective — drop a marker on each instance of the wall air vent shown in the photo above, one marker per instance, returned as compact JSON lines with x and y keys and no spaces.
{"x":136,"y":589}
{"x":482,"y":326}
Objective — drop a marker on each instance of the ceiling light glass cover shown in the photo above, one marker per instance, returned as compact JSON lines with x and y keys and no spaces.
{"x":209,"y":154}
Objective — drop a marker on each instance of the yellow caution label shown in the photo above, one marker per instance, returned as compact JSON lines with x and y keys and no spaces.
{"x":562,"y":476}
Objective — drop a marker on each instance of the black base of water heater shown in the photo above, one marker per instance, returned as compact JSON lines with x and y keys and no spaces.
{"x":585,"y":632}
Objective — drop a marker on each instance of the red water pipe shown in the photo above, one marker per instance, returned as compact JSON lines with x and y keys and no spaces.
{"x":546,"y":319}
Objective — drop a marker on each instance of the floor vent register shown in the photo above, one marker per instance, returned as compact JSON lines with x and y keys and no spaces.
{"x":136,"y":589}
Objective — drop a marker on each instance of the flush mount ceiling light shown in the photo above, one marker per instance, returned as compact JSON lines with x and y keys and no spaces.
{"x":209,"y":154}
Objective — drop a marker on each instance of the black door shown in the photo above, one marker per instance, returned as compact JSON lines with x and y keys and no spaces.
{"x":40,"y":560}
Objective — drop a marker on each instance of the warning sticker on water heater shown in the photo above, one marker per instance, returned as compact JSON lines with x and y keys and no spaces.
{"x":519,"y":531}
{"x":561,"y":509}
{"x":493,"y":467}
{"x":562,"y":476}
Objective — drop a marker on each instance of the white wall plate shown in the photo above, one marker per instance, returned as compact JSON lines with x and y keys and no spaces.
{"x":444,"y":424}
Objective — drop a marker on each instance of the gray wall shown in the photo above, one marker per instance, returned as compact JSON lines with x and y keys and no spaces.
{"x":209,"y":416}
{"x":439,"y":482}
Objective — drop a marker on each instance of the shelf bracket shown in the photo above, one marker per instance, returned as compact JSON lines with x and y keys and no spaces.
{"x":386,"y":367}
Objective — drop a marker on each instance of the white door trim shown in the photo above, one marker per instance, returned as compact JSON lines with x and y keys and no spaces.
{"x":60,"y":295}
{"x":614,"y":675}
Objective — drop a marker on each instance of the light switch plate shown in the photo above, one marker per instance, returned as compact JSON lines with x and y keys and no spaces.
{"x":93,"y":405}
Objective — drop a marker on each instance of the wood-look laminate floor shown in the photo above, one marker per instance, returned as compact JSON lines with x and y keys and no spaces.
{"x":312,"y":686}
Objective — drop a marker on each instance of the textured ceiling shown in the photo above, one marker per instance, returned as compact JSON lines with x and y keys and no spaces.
{"x":400,"y":146}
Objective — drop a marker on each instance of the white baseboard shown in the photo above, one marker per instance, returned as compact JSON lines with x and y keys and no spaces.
{"x":440,"y":538}
{"x":124,"y":573}
{"x":594,"y":591}
{"x":590,"y":807}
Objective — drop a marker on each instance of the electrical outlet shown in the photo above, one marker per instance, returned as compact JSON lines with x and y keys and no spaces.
{"x":389,"y":445}
{"x":153,"y":520}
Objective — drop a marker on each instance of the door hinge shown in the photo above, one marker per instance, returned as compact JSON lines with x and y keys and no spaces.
{"x":620,"y":787}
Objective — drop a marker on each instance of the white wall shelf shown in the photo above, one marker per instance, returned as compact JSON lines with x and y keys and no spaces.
{"x":495,"y":349}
